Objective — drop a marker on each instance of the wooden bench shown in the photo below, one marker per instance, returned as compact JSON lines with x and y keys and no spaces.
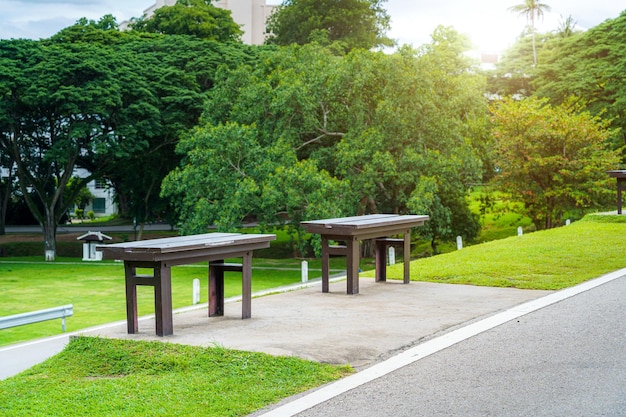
{"x":356,"y":228}
{"x":160,"y":255}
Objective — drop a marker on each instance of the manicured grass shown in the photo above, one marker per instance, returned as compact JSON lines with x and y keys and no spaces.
{"x":547,"y":260}
{"x":102,"y":377}
{"x":96,"y":289}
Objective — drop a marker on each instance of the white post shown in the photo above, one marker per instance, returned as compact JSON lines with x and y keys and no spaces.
{"x":305,"y":271}
{"x":567,"y":222}
{"x":196,"y":291}
{"x":392,"y":255}
{"x":459,"y":243}
{"x":520,"y":231}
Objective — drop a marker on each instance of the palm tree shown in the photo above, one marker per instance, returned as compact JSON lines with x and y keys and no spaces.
{"x":533,"y":10}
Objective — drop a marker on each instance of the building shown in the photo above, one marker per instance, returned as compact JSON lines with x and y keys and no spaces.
{"x":103,"y":203}
{"x":250,"y":14}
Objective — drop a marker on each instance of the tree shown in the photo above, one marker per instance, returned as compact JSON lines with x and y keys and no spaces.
{"x":177,"y":72}
{"x":589,"y":65}
{"x":567,"y":27}
{"x":6,"y":186}
{"x":198,"y":18}
{"x":552,"y":158}
{"x":533,"y":10}
{"x":66,"y":105}
{"x":367,"y":128}
{"x":351,"y":23}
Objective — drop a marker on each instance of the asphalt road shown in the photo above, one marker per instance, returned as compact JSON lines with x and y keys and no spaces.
{"x":566,"y":359}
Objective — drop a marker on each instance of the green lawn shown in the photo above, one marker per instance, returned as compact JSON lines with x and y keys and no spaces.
{"x":102,"y":377}
{"x":96,"y":289}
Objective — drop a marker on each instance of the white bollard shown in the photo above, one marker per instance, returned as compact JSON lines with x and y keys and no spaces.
{"x":196,"y":291}
{"x":305,"y":271}
{"x":459,"y":243}
{"x":520,"y":231}
{"x":567,"y":222}
{"x":392,"y":255}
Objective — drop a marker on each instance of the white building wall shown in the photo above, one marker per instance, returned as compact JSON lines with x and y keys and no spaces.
{"x":105,"y":204}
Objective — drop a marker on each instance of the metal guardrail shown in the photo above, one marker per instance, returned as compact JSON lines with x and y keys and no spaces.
{"x":37,"y":316}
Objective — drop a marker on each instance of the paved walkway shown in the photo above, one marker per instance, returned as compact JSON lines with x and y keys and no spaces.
{"x":362,"y":329}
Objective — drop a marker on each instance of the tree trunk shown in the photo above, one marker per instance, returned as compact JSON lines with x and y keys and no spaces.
{"x":50,"y":236}
{"x":4,"y":204}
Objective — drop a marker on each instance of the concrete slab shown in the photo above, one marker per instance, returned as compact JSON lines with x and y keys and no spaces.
{"x":384,"y":319}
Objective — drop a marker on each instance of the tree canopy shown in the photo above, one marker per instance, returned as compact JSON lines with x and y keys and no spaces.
{"x":552,"y":158}
{"x":63,"y":106}
{"x":328,"y":135}
{"x":348,"y":23}
{"x":198,"y":18}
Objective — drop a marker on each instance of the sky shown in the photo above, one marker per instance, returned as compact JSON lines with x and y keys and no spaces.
{"x":488,"y":23}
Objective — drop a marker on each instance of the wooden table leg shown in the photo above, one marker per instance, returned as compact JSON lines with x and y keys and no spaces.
{"x":352,"y":263}
{"x":246,"y":286}
{"x":381,"y":261}
{"x":620,"y":185}
{"x":163,"y":300}
{"x":325,"y":265}
{"x":407,"y":256}
{"x":216,"y":290}
{"x":131,"y":299}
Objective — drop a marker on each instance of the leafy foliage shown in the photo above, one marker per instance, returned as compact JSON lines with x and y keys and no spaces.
{"x":198,"y":18}
{"x":349,"y":23}
{"x":552,"y":158}
{"x":62,"y":106}
{"x":306,"y":133}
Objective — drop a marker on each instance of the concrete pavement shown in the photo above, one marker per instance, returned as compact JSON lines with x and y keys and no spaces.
{"x":337,"y":328}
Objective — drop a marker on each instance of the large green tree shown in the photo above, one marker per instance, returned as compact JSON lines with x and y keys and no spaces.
{"x":552,"y":158}
{"x":369,"y":129}
{"x":589,"y":65}
{"x":198,"y":18}
{"x":66,"y":105}
{"x":177,"y":72}
{"x":349,"y":23}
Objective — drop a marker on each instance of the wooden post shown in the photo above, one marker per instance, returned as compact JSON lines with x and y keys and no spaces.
{"x":246,"y":286}
{"x":352,"y":263}
{"x":407,"y":256}
{"x":131,"y":299}
{"x":216,"y":289}
{"x":325,"y":265}
{"x":163,"y":300}
{"x":381,"y":261}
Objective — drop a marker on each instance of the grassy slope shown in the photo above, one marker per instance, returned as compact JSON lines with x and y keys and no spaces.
{"x":100,"y":377}
{"x":550,"y":259}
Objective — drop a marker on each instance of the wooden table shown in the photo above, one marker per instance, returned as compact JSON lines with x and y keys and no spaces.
{"x":161,"y":254}
{"x":354,"y":229}
{"x":620,"y":176}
